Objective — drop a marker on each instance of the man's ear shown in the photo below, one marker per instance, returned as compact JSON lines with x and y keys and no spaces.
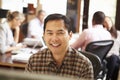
{"x":70,"y":34}
{"x":43,"y":35}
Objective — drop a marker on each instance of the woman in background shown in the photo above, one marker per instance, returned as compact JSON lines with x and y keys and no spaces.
{"x":7,"y":40}
{"x":113,"y":59}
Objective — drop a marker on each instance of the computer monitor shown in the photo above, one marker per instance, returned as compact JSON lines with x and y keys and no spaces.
{"x":18,"y":75}
{"x":3,"y":13}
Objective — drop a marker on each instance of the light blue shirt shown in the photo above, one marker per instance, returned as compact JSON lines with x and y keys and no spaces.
{"x":35,"y":28}
{"x":6,"y":37}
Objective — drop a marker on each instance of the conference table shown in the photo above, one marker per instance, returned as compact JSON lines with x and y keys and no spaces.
{"x":18,"y":59}
{"x":13,"y":66}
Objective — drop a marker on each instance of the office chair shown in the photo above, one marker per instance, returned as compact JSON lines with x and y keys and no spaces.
{"x":24,"y":29}
{"x":101,"y":49}
{"x":95,"y":60}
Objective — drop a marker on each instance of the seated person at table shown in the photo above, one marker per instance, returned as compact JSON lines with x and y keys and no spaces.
{"x":113,"y":60}
{"x":96,"y":33}
{"x":7,"y":41}
{"x":59,"y":58}
{"x":35,"y":26}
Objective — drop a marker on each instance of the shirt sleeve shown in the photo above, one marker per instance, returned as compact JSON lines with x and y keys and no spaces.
{"x":3,"y":46}
{"x":79,"y":43}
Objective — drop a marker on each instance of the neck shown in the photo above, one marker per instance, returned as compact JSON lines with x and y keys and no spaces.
{"x":10,"y":24}
{"x":59,"y":58}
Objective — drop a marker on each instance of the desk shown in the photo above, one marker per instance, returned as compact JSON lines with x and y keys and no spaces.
{"x":24,"y":54}
{"x":13,"y":66}
{"x":18,"y":60}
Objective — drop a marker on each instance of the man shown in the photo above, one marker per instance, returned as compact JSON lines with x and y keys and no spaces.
{"x":96,"y":33}
{"x":35,"y":26}
{"x":59,"y":58}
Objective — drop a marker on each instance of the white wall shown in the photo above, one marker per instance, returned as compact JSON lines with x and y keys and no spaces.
{"x":54,"y":6}
{"x":12,"y":5}
{"x":18,"y":5}
{"x":107,"y":6}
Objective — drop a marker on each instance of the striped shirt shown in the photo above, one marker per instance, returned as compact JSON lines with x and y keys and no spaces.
{"x":74,"y":64}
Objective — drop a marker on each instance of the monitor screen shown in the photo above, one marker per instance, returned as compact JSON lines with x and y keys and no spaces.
{"x":3,"y":13}
{"x":18,"y":75}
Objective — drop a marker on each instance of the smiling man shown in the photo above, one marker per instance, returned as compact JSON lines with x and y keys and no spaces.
{"x":59,"y":58}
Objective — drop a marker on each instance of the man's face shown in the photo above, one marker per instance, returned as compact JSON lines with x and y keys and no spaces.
{"x":108,"y":23}
{"x":56,"y":36}
{"x":42,"y":16}
{"x":16,"y":22}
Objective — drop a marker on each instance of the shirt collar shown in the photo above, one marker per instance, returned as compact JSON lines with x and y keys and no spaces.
{"x":98,"y":26}
{"x":49,"y":56}
{"x":66,"y":59}
{"x":69,"y":55}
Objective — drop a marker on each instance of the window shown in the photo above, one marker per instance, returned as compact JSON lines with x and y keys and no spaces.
{"x":107,"y":6}
{"x":54,"y":6}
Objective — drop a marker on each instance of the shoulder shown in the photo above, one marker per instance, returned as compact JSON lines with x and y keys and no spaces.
{"x":80,"y":56}
{"x":86,"y":32}
{"x":81,"y":61}
{"x":4,"y":26}
{"x":118,"y":33}
{"x":40,"y":54}
{"x":85,"y":60}
{"x":34,"y":20}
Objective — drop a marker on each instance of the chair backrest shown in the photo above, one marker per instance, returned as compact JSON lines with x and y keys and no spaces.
{"x":24,"y":29}
{"x":95,"y":60}
{"x":100,"y":48}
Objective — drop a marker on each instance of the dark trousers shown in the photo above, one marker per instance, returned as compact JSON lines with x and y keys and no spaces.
{"x":113,"y":67}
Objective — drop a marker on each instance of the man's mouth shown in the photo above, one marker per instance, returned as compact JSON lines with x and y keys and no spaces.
{"x":55,"y":45}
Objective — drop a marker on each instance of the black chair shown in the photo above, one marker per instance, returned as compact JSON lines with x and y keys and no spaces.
{"x":24,"y":29}
{"x":95,"y":60}
{"x":101,"y":49}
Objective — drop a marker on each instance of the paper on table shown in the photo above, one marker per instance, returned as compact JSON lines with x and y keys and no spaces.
{"x":21,"y":57}
{"x":23,"y":54}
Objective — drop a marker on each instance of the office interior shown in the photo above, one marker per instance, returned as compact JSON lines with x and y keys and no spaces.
{"x":80,"y":12}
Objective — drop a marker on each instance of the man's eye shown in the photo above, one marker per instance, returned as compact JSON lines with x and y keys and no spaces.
{"x":49,"y":33}
{"x":61,"y":33}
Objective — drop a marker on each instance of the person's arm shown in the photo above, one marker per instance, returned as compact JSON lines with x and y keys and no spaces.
{"x":16,"y":34}
{"x":4,"y":44}
{"x":9,"y":49}
{"x":79,"y":42}
{"x":3,"y":40}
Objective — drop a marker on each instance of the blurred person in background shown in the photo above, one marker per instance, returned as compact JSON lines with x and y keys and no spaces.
{"x":113,"y":59}
{"x":35,"y":26}
{"x":96,"y":33}
{"x":8,"y":42}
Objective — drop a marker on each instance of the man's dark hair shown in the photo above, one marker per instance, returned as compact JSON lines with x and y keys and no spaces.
{"x":99,"y":17}
{"x":58,"y":17}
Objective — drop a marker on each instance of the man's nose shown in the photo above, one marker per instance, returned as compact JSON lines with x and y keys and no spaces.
{"x":55,"y":37}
